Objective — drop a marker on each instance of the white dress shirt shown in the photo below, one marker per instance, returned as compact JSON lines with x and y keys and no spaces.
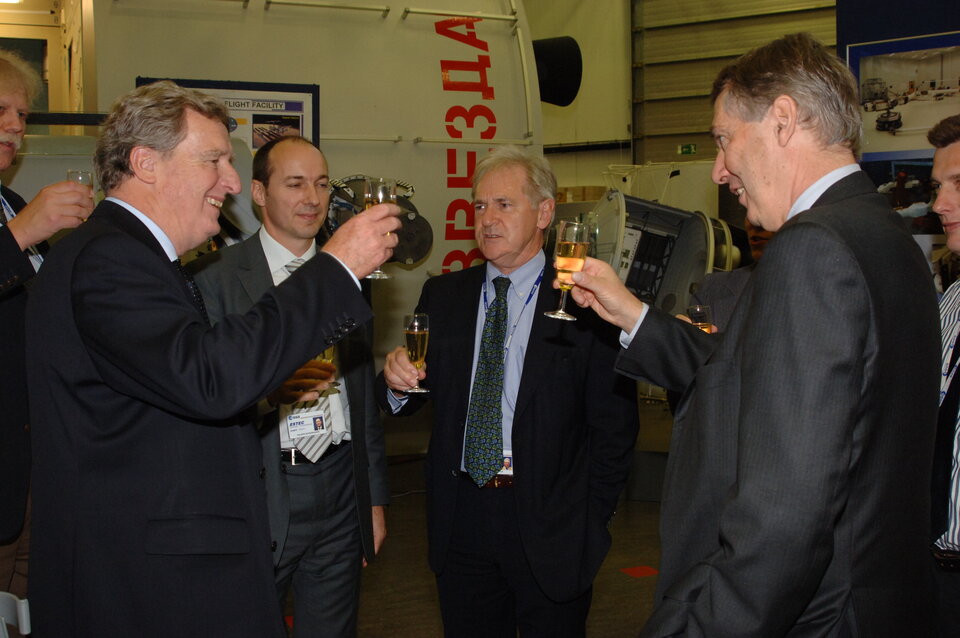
{"x":339,"y":409}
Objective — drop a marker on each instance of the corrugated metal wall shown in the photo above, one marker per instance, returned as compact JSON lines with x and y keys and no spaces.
{"x":678,"y":48}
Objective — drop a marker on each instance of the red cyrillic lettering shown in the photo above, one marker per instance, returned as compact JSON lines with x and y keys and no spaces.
{"x":446,"y":28}
{"x":469,"y":118}
{"x":451,"y":231}
{"x":460,"y":181}
{"x":459,"y":257}
{"x":479,"y":67}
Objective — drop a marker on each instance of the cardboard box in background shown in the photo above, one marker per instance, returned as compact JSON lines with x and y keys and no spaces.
{"x":579,"y":193}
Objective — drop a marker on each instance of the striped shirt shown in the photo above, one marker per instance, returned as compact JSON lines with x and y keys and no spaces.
{"x":949,"y":327}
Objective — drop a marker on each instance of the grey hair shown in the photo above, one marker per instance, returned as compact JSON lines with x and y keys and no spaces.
{"x":151,"y":116}
{"x":798,"y":66}
{"x":15,"y":73}
{"x":541,"y":182}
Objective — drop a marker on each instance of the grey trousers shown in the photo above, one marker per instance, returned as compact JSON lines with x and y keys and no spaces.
{"x":322,"y":556}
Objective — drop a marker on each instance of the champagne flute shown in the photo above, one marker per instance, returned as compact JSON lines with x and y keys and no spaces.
{"x":379,"y":191}
{"x":573,"y":241}
{"x":416,"y":332}
{"x":84,"y":178}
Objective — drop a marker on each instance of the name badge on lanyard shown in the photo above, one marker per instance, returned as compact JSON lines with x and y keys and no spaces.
{"x":507,"y":469}
{"x":309,"y":421}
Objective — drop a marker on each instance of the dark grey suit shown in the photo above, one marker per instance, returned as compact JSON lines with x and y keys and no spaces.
{"x":15,"y":270}
{"x":149,"y":515}
{"x":232,"y":280}
{"x":574,"y":427}
{"x":797,"y":492}
{"x":721,"y":290}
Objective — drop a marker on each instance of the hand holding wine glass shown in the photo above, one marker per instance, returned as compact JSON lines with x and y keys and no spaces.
{"x":701,"y":317}
{"x":379,"y":190}
{"x":84,"y":178}
{"x":327,"y":357}
{"x":573,"y":242}
{"x":416,"y":332}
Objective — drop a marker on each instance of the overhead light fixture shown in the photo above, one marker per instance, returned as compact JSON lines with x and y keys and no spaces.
{"x":10,"y":1}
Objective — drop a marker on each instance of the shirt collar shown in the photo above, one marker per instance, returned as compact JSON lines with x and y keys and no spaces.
{"x":277,"y":254}
{"x":523,"y":278}
{"x":151,"y":225}
{"x":810,"y":196}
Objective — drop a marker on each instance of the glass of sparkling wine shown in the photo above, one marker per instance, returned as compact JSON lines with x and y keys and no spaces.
{"x":84,"y":178}
{"x":573,"y":241}
{"x":700,"y":316}
{"x":327,"y":357}
{"x":379,"y":190}
{"x":416,"y":332}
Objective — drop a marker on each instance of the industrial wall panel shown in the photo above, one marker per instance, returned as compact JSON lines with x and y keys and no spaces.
{"x":691,"y":115}
{"x":661,"y":13}
{"x":37,"y":13}
{"x":681,"y":79}
{"x":666,"y":148}
{"x":733,"y":37}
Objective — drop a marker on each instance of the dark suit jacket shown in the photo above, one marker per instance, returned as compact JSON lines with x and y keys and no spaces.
{"x":150,"y":516}
{"x":721,"y":290}
{"x":15,"y":270}
{"x":232,"y":280}
{"x":573,"y":432}
{"x":797,"y":491}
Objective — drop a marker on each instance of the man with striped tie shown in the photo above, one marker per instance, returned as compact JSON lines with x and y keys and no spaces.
{"x":323,"y":451}
{"x":945,"y":487}
{"x":23,"y":230}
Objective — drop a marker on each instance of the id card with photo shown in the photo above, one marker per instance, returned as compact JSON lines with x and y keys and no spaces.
{"x":302,"y":424}
{"x":507,"y":468}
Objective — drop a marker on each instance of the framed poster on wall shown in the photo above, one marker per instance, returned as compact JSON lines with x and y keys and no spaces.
{"x":906,"y":86}
{"x":263,"y":110}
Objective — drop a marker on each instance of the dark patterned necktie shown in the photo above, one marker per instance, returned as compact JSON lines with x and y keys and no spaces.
{"x":194,"y":290}
{"x":483,"y":455}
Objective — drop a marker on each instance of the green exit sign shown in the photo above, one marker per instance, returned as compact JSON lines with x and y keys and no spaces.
{"x":687,"y":149}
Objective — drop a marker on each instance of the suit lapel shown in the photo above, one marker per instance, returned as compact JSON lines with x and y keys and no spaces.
{"x":126,"y":221}
{"x":463,"y":320}
{"x":253,"y":272}
{"x":349,"y":351}
{"x":537,"y":360}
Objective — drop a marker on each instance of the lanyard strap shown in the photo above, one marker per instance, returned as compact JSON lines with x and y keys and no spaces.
{"x":486,"y":307}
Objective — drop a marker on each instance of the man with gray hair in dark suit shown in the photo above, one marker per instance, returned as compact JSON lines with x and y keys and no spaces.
{"x":796,"y":499}
{"x":150,"y":517}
